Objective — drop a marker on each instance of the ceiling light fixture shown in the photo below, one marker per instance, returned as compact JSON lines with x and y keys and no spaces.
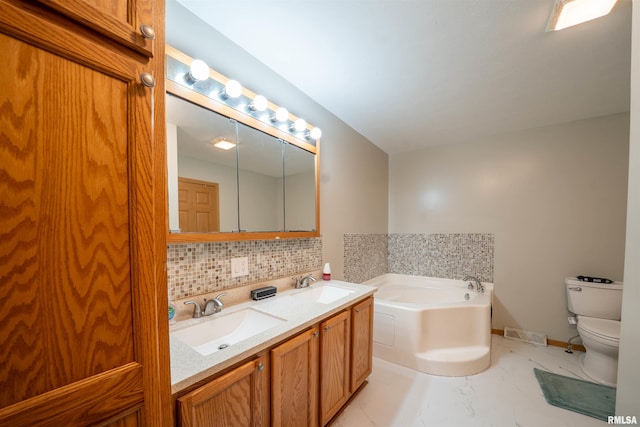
{"x":567,"y":13}
{"x":281,"y":115}
{"x":198,"y":71}
{"x":232,"y":89}
{"x":222,"y":143}
{"x":259,"y":103}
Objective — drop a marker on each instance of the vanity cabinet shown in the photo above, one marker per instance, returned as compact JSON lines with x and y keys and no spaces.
{"x":237,"y":398}
{"x":303,"y":381}
{"x":294,"y":381}
{"x":83,"y":323}
{"x":335,"y":340}
{"x":361,"y":342}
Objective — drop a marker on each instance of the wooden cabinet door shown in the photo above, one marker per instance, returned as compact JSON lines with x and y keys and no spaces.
{"x":335,"y":340}
{"x":238,"y":398}
{"x":294,"y":381}
{"x":83,"y":330}
{"x":361,"y":342}
{"x":120,"y":20}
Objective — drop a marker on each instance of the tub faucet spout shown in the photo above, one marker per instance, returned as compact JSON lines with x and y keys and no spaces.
{"x":479,"y":286}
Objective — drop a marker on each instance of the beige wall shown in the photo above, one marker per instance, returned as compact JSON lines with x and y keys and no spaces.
{"x":354,"y":172}
{"x":628,"y":368}
{"x":554,"y":197}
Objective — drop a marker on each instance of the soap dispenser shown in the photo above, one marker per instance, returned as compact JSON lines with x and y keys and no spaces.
{"x":326,"y":272}
{"x":172,"y":312}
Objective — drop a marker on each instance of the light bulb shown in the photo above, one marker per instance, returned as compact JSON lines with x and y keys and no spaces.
{"x":315,"y":133}
{"x":198,"y":70}
{"x":299,"y":125}
{"x":281,"y":115}
{"x":232,"y":89}
{"x":259,"y":103}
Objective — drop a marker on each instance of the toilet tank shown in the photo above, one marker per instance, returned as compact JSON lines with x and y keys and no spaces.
{"x":600,"y":300}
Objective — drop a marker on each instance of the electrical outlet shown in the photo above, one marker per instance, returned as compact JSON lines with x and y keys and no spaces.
{"x":239,"y":267}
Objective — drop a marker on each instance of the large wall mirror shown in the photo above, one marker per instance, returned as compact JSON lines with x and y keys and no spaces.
{"x":263,"y":185}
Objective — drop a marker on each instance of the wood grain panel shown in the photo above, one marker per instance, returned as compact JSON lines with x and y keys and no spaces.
{"x":130,"y":420}
{"x":334,"y":365}
{"x":294,"y":381}
{"x":65,"y":178}
{"x":78,"y":236}
{"x":20,"y":329}
{"x":361,"y":342}
{"x":83,"y":403}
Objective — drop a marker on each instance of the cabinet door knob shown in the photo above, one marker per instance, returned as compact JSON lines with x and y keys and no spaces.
{"x":357,"y":310}
{"x":147,"y":80}
{"x":315,"y":334}
{"x":326,"y":329}
{"x":260,"y":366}
{"x":147,"y":32}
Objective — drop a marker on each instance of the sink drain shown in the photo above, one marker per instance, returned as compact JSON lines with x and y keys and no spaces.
{"x":223,"y":346}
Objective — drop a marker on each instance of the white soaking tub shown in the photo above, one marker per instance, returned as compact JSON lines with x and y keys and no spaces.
{"x":436,"y":326}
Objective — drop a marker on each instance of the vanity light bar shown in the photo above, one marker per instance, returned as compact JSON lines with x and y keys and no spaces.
{"x":230,"y":92}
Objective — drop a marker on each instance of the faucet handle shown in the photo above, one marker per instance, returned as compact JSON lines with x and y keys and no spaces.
{"x":217,"y":299}
{"x":197,"y":309}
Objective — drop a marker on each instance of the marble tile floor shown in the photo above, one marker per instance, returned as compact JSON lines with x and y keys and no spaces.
{"x":506,"y":394}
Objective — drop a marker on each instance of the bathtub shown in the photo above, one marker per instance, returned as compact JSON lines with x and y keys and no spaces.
{"x":428,"y":324}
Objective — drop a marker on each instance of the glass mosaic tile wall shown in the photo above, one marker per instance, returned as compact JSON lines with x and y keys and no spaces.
{"x":450,"y":256}
{"x":196,"y":268}
{"x":365,"y":256}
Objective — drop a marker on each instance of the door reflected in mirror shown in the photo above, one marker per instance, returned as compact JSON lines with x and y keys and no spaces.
{"x":202,"y":178}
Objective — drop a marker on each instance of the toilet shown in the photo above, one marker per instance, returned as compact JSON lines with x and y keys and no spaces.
{"x":597,"y":307}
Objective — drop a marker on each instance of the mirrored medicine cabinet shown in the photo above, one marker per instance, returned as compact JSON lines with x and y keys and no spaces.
{"x":264,"y":185}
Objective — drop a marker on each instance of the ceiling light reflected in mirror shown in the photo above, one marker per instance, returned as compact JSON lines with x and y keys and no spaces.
{"x":222,"y":143}
{"x":567,"y":13}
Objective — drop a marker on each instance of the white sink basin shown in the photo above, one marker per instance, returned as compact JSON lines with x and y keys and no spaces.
{"x":225,"y":330}
{"x":324,"y":294}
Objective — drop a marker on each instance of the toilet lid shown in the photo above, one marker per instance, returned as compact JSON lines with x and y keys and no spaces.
{"x":605,"y":328}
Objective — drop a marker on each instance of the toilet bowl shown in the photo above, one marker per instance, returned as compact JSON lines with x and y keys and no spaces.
{"x":597,"y":307}
{"x":601,"y":339}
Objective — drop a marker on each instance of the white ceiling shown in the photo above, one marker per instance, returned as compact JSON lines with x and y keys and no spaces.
{"x":413,"y":73}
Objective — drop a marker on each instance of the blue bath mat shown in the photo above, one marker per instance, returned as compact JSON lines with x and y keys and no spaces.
{"x":584,"y":397}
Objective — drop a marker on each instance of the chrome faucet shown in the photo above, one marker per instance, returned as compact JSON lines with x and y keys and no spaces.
{"x":211,"y":306}
{"x":197,"y":310}
{"x":304,"y":281}
{"x":479,"y":286}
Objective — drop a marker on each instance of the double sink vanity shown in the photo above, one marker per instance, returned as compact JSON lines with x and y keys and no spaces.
{"x":292,"y":359}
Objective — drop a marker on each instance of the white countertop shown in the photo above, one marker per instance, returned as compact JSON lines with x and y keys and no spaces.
{"x":188,"y":366}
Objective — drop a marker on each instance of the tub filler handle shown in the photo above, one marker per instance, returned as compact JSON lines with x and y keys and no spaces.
{"x":479,"y":286}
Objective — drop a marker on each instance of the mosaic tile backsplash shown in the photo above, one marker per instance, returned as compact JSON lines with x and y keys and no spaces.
{"x":365,"y":256}
{"x":450,"y":256}
{"x":196,"y":268}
